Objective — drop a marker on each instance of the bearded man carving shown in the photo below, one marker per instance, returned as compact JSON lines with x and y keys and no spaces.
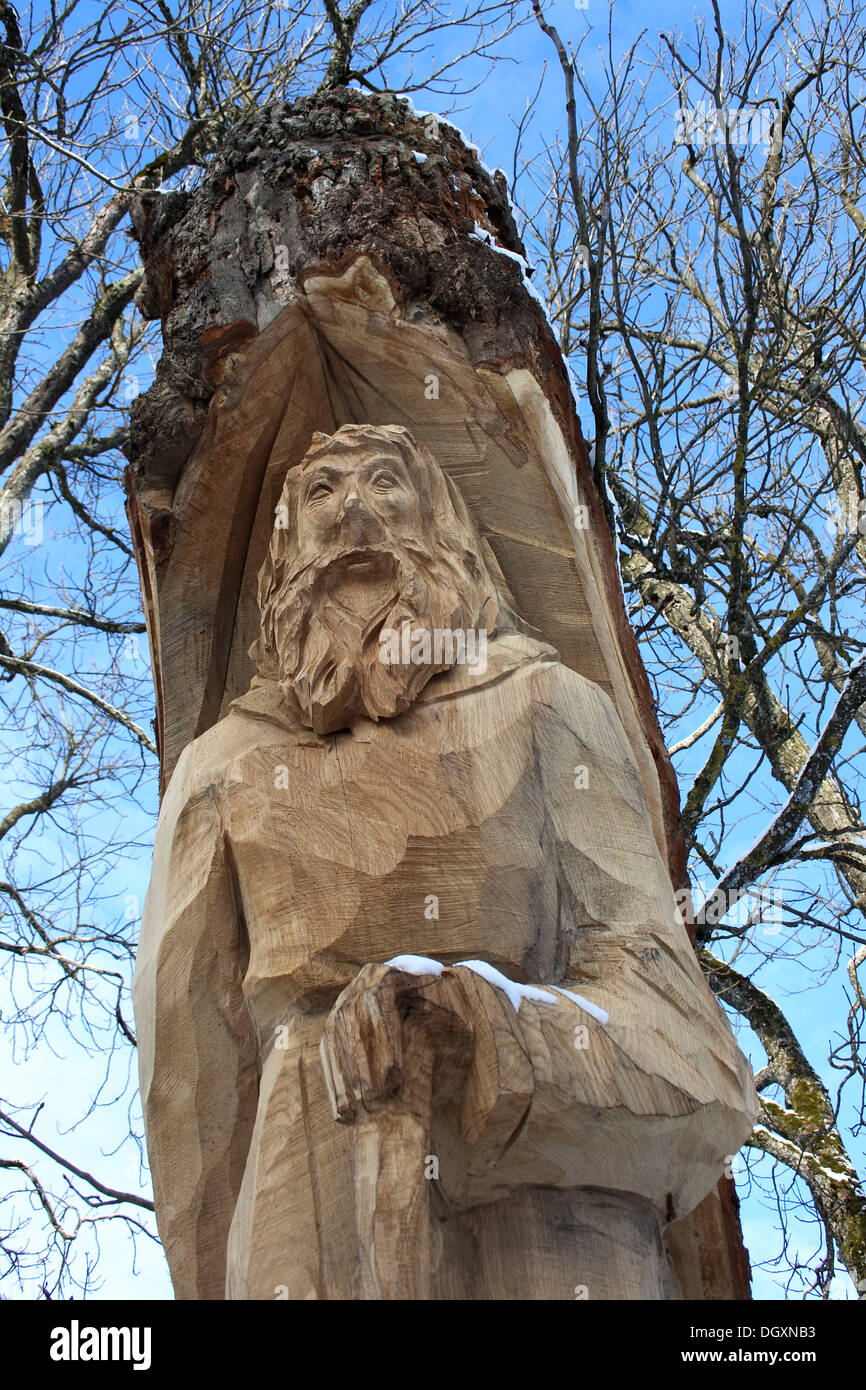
{"x":542,"y":1080}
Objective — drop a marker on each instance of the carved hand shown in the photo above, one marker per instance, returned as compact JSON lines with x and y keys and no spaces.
{"x":383,"y":1034}
{"x":394,"y":1033}
{"x":434,"y":1061}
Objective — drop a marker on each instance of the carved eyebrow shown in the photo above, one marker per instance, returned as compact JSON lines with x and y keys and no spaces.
{"x":321,"y":475}
{"x":325,"y":471}
{"x":387,"y":465}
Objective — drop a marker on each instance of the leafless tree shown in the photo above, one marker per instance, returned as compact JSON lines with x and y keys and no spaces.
{"x":697,"y":218}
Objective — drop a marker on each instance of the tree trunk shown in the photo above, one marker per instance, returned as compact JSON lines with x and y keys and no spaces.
{"x":345,"y":260}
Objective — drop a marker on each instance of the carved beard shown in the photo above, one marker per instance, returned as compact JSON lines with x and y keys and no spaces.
{"x":328,"y":618}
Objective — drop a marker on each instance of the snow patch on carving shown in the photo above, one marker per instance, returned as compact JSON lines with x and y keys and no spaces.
{"x":601,"y":1014}
{"x":416,"y":965}
{"x":516,"y":992}
{"x":426,"y":965}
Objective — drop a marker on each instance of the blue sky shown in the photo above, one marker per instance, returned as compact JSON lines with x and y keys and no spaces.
{"x":56,"y":1069}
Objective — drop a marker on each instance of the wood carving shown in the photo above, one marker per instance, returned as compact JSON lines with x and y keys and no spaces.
{"x":417,"y":1014}
{"x":346,"y":261}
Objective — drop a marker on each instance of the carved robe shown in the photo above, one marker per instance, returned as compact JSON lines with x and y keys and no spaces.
{"x":501,"y":818}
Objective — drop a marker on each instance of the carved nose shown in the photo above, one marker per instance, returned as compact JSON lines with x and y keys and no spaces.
{"x":360,"y":524}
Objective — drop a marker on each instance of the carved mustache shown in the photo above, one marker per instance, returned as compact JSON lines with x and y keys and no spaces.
{"x":343,"y":556}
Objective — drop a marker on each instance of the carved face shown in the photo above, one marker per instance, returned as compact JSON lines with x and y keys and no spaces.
{"x":370,"y":536}
{"x":357,"y":498}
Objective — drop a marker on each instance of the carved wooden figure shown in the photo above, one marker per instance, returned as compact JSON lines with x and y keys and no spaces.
{"x":417,"y":1015}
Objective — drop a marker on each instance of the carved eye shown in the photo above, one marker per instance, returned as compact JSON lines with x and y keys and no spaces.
{"x":319,"y":491}
{"x":383,"y":482}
